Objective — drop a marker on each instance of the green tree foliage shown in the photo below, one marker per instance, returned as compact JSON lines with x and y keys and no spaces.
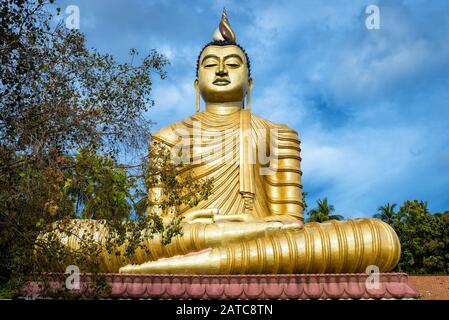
{"x":304,"y":195}
{"x":323,"y":212}
{"x":387,"y":214}
{"x":424,"y":237}
{"x":66,"y":114}
{"x":180,"y":188}
{"x":96,"y":188}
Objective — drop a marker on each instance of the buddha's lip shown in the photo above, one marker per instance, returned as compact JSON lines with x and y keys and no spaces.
{"x":221,"y":82}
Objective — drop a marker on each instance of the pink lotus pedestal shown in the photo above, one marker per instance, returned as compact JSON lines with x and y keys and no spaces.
{"x":284,"y":286}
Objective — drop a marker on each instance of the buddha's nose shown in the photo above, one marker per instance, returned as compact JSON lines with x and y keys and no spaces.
{"x":221,"y":69}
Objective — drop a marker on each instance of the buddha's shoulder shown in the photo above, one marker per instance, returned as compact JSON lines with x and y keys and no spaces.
{"x":172,"y":133}
{"x":283,"y":129}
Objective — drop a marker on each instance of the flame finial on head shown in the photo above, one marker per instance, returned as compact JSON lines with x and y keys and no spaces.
{"x":224,"y":30}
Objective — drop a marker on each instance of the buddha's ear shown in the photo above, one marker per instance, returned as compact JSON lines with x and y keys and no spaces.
{"x":248,"y":94}
{"x":197,"y":91}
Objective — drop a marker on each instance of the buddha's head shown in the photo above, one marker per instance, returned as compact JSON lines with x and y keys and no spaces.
{"x":223,"y":68}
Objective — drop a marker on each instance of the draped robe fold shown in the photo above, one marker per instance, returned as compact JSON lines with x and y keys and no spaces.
{"x":254,"y":163}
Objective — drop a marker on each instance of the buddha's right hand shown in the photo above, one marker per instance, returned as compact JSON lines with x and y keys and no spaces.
{"x":221,"y":229}
{"x":205,"y":216}
{"x":210,"y":216}
{"x":269,"y":224}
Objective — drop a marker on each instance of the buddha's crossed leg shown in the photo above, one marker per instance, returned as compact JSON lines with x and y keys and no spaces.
{"x":332,"y":247}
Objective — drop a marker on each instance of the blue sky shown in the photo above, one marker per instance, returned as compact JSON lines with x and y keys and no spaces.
{"x":371,"y":106}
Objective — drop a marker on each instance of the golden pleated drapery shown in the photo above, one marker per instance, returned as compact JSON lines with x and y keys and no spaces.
{"x":214,"y":145}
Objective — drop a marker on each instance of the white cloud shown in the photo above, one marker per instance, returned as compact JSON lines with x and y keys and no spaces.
{"x":375,"y":68}
{"x":280,"y":101}
{"x":175,"y":99}
{"x":178,"y":54}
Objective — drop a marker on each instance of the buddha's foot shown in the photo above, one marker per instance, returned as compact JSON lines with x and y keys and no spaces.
{"x":331,"y":247}
{"x":186,"y":264}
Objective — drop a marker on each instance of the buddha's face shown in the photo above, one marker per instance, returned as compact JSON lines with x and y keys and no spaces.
{"x":223,"y":74}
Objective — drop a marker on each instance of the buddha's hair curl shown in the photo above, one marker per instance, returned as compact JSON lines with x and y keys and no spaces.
{"x":223,"y":43}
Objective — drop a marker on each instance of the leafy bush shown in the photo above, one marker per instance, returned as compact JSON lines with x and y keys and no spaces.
{"x":66,"y":114}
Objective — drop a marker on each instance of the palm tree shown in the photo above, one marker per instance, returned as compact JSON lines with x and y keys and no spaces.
{"x":442,"y":215}
{"x":386,"y":213}
{"x":323,"y":212}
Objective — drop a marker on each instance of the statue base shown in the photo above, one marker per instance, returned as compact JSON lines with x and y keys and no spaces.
{"x":282,"y":286}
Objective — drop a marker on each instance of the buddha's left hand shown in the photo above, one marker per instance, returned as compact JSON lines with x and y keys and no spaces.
{"x":284,"y":219}
{"x":205,"y":216}
{"x":270,"y":223}
{"x":244,"y":217}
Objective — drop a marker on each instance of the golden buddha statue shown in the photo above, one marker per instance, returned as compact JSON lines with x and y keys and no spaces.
{"x":253,"y":221}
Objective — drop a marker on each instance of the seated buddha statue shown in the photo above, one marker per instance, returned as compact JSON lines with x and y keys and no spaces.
{"x":229,"y":143}
{"x":253,"y":222}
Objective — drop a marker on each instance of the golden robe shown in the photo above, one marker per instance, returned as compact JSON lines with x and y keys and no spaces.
{"x":254,"y":163}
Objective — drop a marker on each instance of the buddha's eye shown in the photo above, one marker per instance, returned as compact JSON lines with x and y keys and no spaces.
{"x":232,"y":65}
{"x":210,"y":63}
